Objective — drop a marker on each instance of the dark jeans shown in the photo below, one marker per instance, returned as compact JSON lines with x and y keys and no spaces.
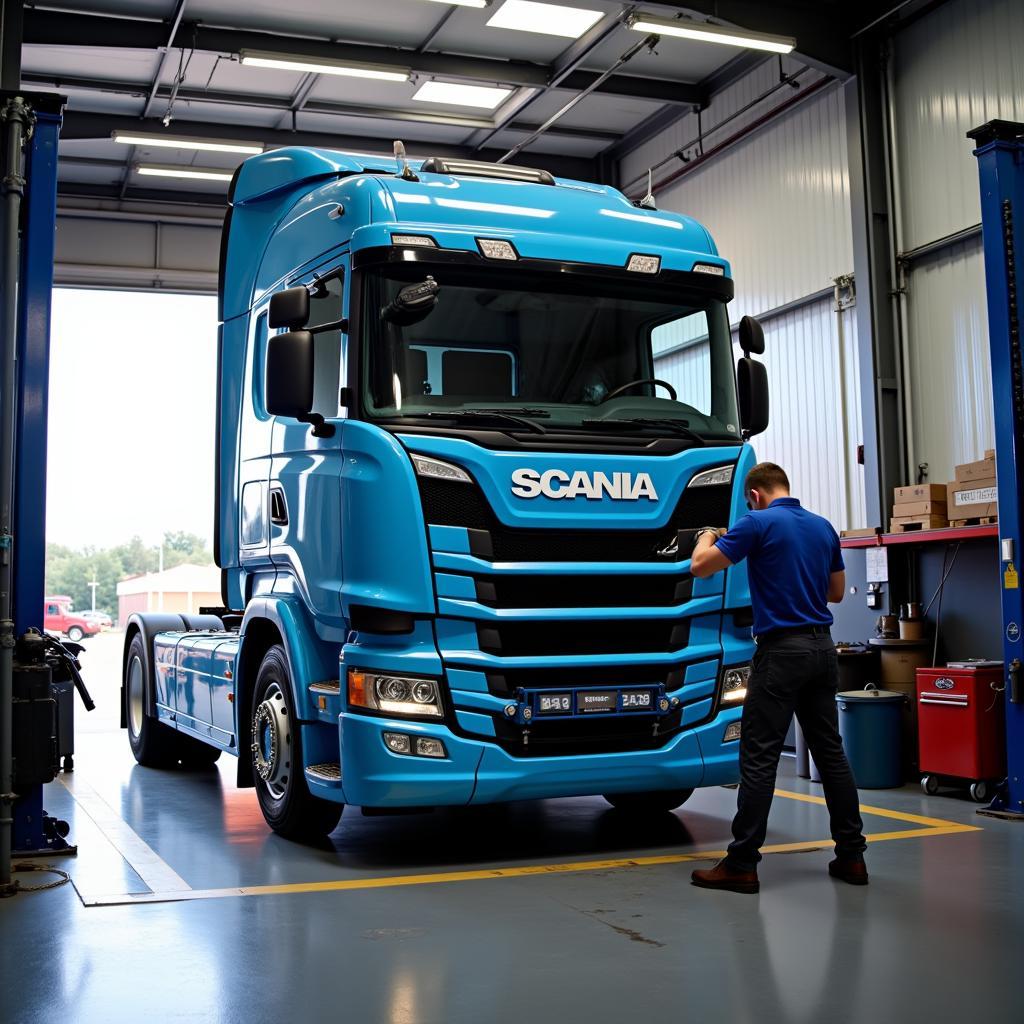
{"x":792,"y":673}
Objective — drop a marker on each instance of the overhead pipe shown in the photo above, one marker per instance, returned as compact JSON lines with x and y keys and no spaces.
{"x":844,"y":283}
{"x":17,"y":120}
{"x":648,"y":41}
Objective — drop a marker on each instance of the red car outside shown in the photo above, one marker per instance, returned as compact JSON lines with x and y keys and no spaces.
{"x":59,"y":618}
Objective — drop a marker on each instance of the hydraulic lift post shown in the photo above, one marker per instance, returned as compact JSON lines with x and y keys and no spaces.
{"x":1000,"y":153}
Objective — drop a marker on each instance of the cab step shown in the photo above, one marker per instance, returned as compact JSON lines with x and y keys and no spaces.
{"x":327,"y":774}
{"x":328,"y":686}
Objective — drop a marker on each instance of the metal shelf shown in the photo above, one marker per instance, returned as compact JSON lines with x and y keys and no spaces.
{"x":944,"y":536}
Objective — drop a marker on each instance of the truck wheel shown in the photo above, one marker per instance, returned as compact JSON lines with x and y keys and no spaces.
{"x":285,"y":800}
{"x":75,"y":634}
{"x":649,"y":803}
{"x":151,"y":741}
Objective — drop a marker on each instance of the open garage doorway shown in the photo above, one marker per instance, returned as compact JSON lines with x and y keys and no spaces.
{"x":130,"y":461}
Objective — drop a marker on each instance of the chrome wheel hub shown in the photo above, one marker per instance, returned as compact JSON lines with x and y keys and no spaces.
{"x":272,"y":742}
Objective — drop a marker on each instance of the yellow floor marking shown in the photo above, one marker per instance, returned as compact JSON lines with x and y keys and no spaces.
{"x":932,"y":827}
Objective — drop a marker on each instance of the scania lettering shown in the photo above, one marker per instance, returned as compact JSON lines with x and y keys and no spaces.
{"x":469,"y":419}
{"x":529,"y":483}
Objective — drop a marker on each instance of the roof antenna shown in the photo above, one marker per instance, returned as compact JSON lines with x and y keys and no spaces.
{"x":648,"y":203}
{"x":407,"y":172}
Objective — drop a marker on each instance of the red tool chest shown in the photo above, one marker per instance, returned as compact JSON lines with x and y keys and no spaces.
{"x":960,"y":721}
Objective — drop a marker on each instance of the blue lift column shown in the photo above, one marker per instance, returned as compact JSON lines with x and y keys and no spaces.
{"x":1000,"y":153}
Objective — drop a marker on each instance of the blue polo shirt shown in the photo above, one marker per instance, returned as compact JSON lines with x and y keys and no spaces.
{"x":792,"y":554}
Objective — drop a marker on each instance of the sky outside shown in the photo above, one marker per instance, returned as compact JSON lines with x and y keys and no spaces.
{"x":132,"y":400}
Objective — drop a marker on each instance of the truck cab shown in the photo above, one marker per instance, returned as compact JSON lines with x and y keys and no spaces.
{"x":455,"y":502}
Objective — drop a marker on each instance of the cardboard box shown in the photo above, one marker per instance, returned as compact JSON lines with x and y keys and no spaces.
{"x":983,"y":470}
{"x":866,"y":532}
{"x":920,"y":508}
{"x":975,"y":499}
{"x":921,"y":522}
{"x":990,"y":454}
{"x":919,"y":492}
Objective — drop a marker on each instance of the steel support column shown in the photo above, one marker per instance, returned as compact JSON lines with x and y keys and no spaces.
{"x":1000,"y":156}
{"x":874,"y":263}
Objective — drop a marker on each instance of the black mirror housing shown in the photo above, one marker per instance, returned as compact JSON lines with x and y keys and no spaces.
{"x":752,"y":383}
{"x":289,"y":384}
{"x":751,"y":336}
{"x":289,"y":308}
{"x":412,"y":304}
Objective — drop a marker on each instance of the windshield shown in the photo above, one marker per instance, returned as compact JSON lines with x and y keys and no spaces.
{"x":548,"y":351}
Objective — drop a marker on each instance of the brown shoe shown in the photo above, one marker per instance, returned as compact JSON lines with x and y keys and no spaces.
{"x":723,"y":876}
{"x":854,"y":872}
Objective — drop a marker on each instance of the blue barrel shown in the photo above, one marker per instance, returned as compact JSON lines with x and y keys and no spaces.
{"x":871,"y":724}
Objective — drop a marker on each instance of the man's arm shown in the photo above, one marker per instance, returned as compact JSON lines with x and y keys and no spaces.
{"x":706,"y":559}
{"x":836,"y":586}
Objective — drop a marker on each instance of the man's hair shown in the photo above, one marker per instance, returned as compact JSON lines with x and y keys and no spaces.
{"x":766,"y":476}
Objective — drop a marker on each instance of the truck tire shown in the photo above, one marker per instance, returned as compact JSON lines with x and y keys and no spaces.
{"x":153,"y":743}
{"x":277,"y":766}
{"x":75,"y":634}
{"x":654,"y":802}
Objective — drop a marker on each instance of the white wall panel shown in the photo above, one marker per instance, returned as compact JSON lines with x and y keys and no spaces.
{"x":955,"y":69}
{"x":950,"y":372}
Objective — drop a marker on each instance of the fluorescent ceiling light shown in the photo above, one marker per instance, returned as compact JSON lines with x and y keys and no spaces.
{"x":181,"y":142}
{"x":323,"y":66}
{"x":464,"y":3}
{"x":487,"y":96}
{"x":192,"y":173}
{"x":713,"y":33}
{"x":549,"y":19}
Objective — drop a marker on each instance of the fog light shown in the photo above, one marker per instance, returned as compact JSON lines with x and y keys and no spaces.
{"x":398,"y":742}
{"x":734,"y":684}
{"x":427,"y":747}
{"x":732,"y":732}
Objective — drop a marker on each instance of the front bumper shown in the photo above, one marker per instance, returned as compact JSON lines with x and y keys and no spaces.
{"x":478,"y":772}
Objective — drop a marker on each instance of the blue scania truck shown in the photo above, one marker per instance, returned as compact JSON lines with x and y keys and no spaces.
{"x":455,"y":505}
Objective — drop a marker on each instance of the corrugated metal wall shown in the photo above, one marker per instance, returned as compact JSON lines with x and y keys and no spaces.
{"x":955,"y":69}
{"x":777,"y":204}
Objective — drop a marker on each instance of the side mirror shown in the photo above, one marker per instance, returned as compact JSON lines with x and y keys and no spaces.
{"x":751,"y":336}
{"x":412,"y":303}
{"x":752,"y":382}
{"x":289,"y":308}
{"x":289,"y":381}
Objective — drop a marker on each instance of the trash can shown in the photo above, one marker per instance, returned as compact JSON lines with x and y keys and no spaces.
{"x":871,"y":724}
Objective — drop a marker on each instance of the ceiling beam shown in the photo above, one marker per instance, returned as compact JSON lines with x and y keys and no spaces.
{"x":284,"y":106}
{"x":44,"y":27}
{"x":83,"y":125}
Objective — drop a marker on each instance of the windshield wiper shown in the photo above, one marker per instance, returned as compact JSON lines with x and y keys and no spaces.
{"x":488,"y":415}
{"x":642,"y":423}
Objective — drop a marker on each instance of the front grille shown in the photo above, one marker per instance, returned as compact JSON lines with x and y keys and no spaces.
{"x":590,"y":736}
{"x":460,"y":504}
{"x":505,"y":684}
{"x":569,"y":636}
{"x":629,"y":591}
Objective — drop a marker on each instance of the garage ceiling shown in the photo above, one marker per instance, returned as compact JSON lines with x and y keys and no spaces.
{"x":172,"y":68}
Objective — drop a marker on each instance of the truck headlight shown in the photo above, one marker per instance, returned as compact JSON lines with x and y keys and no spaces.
{"x":394,"y":695}
{"x":734,"y":684}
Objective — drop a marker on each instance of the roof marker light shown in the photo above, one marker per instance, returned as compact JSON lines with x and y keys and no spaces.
{"x":709,"y":268}
{"x":421,"y":240}
{"x":497,"y":249}
{"x":641,"y":264}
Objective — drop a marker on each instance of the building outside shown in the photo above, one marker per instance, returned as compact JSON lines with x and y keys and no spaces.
{"x":185,"y":588}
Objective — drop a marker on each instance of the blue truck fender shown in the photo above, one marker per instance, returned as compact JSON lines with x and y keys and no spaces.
{"x":148,"y":624}
{"x":279,"y":620}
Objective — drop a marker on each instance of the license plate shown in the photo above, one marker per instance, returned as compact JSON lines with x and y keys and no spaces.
{"x":554,"y":704}
{"x":637,"y":700}
{"x":592,"y":701}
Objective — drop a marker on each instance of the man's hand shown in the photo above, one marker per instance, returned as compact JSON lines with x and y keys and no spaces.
{"x":706,"y":559}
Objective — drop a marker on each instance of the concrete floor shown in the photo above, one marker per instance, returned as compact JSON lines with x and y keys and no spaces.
{"x":936,"y":936}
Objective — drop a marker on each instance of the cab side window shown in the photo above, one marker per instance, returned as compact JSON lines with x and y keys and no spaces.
{"x":325,"y":306}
